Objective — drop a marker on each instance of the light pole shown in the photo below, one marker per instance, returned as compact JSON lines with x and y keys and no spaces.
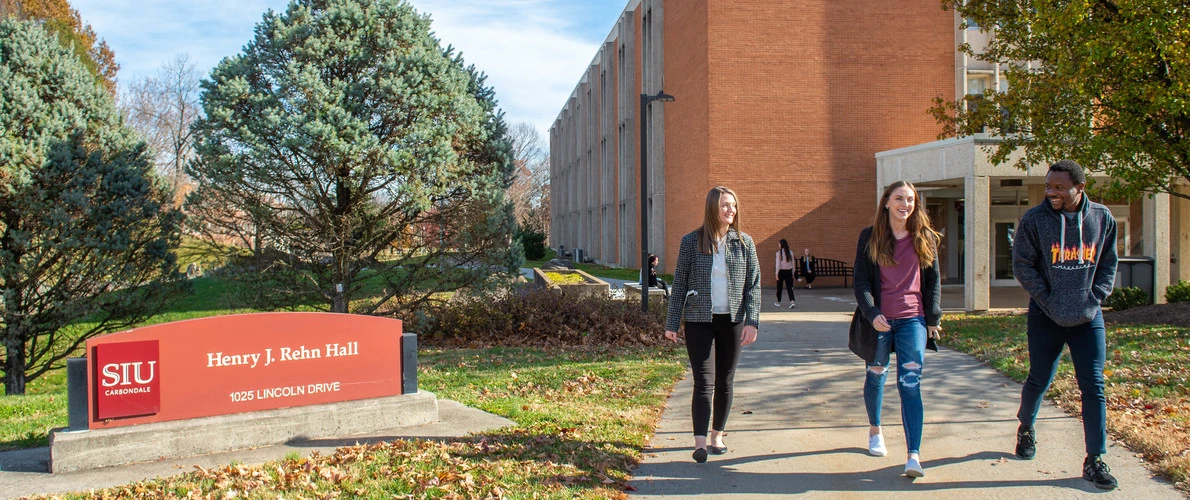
{"x":645,"y":99}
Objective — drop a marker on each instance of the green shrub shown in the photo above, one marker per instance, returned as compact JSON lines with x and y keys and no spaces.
{"x":1125,"y":298}
{"x":1178,"y":292}
{"x":533,"y":243}
{"x":534,"y":317}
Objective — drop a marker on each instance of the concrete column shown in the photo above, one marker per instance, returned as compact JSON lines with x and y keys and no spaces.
{"x":1155,"y":210}
{"x":653,"y":73}
{"x":607,"y":161}
{"x":585,"y":167}
{"x":628,"y":107}
{"x":1180,"y":239}
{"x":977,"y":264}
{"x":1036,"y":194}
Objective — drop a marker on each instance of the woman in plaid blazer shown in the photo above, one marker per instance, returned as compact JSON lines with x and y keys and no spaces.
{"x":717,"y":264}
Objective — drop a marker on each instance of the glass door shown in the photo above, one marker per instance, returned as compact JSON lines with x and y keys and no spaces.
{"x":1003,"y":233}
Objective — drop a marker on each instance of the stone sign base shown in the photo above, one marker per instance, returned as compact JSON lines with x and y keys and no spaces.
{"x":92,"y":449}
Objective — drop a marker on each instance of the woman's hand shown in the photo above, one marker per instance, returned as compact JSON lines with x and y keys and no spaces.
{"x":881,"y":324}
{"x":671,"y":335}
{"x":934,"y":332}
{"x":749,"y":335}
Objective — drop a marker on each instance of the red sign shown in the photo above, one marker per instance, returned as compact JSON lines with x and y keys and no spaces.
{"x":129,"y":379}
{"x":238,"y":363}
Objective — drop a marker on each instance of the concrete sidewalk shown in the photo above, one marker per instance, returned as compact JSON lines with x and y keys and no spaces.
{"x":25,"y":472}
{"x":798,"y":427}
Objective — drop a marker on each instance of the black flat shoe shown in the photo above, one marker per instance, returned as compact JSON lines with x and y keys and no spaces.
{"x":717,"y":450}
{"x":700,"y":455}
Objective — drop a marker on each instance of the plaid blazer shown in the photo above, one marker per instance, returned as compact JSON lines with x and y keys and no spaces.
{"x":694,"y":273}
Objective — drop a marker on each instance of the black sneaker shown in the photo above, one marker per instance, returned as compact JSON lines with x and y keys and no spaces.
{"x":1026,"y":443}
{"x":1097,"y":472}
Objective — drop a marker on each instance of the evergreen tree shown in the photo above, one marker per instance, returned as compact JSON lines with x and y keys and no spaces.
{"x":357,"y":152}
{"x":63,"y":20}
{"x":85,"y":227}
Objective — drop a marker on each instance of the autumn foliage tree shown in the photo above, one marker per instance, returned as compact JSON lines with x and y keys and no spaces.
{"x":531,"y":177}
{"x":162,"y":107}
{"x":529,"y":192}
{"x":361,"y":153}
{"x":1106,"y":83}
{"x":59,"y":18}
{"x":86,"y":227}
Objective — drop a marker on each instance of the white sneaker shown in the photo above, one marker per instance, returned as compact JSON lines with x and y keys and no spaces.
{"x":778,"y":304}
{"x":791,"y":306}
{"x":876,"y":446}
{"x":913,"y":468}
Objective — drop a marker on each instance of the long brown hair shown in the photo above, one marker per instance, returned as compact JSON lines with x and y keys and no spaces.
{"x":711,"y":225}
{"x":882,"y":242}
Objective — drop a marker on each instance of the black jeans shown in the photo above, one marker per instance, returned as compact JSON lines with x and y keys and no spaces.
{"x":725,"y":337}
{"x":659,"y":283}
{"x":785,"y":276}
{"x":1087,"y":353}
{"x":809,"y":277}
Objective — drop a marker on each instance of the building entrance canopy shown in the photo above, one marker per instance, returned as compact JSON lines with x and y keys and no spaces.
{"x":977,"y":204}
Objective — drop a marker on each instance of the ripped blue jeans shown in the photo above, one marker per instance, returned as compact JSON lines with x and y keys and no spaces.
{"x":910,"y":337}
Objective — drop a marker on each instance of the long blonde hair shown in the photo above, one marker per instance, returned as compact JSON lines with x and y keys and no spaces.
{"x":882,"y":242}
{"x":711,"y":225}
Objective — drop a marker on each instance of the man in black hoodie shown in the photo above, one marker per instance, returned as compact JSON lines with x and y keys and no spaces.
{"x":1065,"y":257}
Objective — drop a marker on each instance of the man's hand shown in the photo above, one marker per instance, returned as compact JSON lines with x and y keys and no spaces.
{"x":671,"y":335}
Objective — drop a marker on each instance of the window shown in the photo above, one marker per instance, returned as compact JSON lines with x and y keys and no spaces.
{"x":976,"y":85}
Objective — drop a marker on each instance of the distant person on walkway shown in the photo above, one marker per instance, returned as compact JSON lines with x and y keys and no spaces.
{"x":1065,"y":257}
{"x":654,"y":281}
{"x":899,"y":293}
{"x":805,"y":269}
{"x":718,"y":263}
{"x":785,"y":265}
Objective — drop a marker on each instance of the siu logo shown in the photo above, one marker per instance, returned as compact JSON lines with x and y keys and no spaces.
{"x":117,"y":375}
{"x":129,"y":379}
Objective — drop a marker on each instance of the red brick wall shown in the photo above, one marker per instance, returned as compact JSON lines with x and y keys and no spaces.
{"x":800,"y":95}
{"x":686,"y":122}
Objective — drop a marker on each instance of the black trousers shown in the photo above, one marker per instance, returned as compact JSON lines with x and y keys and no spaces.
{"x":724,"y":337}
{"x":809,"y":277}
{"x":785,"y":277}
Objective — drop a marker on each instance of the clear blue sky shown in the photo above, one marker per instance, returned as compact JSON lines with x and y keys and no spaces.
{"x":533,"y":51}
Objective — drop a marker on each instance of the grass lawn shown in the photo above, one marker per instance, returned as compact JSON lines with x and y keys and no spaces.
{"x":1148,"y":396}
{"x":582,"y":418}
{"x":27,"y":420}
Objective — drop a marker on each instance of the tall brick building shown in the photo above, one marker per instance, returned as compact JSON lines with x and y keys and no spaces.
{"x":807,"y":109}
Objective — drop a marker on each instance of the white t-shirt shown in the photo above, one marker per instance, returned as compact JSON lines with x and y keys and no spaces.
{"x":719,"y":278}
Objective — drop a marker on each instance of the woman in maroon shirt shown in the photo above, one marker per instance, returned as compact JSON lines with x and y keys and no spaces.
{"x":898,"y":292}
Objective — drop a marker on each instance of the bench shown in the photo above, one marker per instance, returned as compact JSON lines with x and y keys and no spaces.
{"x":632,"y":292}
{"x":829,"y":267}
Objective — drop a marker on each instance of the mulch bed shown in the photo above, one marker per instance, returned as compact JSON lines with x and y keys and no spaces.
{"x":1176,"y":314}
